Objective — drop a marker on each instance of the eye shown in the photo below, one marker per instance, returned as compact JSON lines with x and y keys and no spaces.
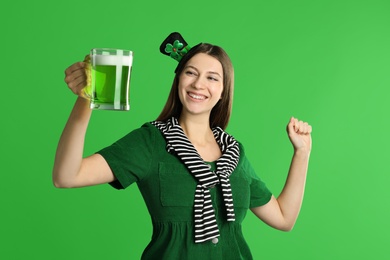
{"x":212,"y":78}
{"x":189,"y":72}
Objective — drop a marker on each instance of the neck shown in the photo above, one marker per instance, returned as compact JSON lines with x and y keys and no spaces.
{"x":197,"y":129}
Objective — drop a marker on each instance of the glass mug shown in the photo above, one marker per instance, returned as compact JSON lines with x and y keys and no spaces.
{"x":108,"y":79}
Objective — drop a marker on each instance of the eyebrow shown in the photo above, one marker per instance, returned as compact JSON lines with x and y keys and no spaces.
{"x":211,"y":72}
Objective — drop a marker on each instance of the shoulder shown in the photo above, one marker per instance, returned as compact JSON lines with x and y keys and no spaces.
{"x":146,"y":134}
{"x":242,"y":149}
{"x":243,"y":163}
{"x":147,"y":129}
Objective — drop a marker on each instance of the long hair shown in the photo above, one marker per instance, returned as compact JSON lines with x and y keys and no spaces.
{"x":220,"y":114}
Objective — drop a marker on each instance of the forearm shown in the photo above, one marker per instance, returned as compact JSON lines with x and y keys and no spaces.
{"x":291,"y":197}
{"x":71,"y":144}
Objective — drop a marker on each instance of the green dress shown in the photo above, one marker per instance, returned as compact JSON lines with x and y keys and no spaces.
{"x":168,"y":190}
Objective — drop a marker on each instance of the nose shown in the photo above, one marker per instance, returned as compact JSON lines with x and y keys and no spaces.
{"x":198,"y":83}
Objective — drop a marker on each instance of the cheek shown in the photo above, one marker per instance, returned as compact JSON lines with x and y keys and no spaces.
{"x":219,"y":91}
{"x":181,"y":93}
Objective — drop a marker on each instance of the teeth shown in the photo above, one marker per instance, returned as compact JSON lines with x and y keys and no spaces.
{"x":196,"y":96}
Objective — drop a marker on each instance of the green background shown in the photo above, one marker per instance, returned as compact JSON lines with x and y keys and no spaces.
{"x":326,"y":62}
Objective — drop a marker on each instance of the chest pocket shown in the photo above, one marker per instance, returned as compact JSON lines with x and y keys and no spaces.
{"x":177,"y":186}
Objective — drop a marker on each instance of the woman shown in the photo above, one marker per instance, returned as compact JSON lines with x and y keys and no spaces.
{"x":194,"y":177}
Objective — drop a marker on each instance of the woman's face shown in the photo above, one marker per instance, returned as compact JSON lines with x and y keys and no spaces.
{"x":200,"y":84}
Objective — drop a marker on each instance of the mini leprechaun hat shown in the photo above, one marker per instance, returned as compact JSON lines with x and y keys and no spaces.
{"x":174,"y":46}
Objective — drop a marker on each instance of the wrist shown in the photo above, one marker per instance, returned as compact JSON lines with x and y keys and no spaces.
{"x":302,"y":152}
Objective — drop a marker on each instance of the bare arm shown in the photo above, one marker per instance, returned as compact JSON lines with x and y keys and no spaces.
{"x":282,"y":212}
{"x":70,"y":168}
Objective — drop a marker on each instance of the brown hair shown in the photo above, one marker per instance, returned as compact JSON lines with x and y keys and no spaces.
{"x":220,"y":114}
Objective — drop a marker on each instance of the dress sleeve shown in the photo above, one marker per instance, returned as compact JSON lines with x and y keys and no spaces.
{"x":130,"y":157}
{"x":259,"y":193}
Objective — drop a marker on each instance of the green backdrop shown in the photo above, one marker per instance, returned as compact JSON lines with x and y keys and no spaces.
{"x":326,"y":62}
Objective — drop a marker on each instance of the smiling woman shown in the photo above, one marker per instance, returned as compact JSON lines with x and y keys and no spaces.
{"x":195,"y":178}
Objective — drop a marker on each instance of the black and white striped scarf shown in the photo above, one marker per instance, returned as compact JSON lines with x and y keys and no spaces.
{"x":206,"y":227}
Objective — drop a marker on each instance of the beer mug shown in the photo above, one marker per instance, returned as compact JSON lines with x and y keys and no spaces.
{"x":108,"y":73}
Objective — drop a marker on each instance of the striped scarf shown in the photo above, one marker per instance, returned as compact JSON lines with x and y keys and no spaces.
{"x":205,"y":222}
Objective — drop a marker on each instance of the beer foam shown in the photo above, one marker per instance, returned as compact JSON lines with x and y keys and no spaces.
{"x":112,"y":60}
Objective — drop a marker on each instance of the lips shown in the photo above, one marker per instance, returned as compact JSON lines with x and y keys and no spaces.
{"x":196,"y":96}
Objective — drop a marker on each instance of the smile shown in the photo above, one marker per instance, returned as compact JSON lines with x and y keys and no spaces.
{"x":196,"y":96}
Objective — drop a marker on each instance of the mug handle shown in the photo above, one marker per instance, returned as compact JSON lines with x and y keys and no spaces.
{"x":87,"y":90}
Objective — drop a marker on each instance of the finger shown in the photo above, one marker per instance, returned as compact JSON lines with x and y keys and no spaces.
{"x":74,"y":67}
{"x":301,"y":127}
{"x":75,"y":77}
{"x":297,"y":125}
{"x":290,"y":125}
{"x":76,"y":81}
{"x":72,"y":77}
{"x":78,"y":84}
{"x":305,"y":127}
{"x":74,"y":72}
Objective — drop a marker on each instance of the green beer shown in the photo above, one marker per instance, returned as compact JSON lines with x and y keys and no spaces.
{"x":110,"y":79}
